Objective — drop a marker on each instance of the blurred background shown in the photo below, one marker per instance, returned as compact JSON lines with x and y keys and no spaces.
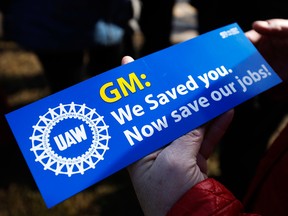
{"x":23,"y":80}
{"x":46,"y":46}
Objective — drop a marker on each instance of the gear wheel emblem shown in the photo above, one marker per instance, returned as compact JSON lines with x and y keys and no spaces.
{"x":52,"y":159}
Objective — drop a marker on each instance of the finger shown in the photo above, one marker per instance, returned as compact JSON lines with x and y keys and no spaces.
{"x":253,"y":36}
{"x":126,"y":60}
{"x":187,"y":145}
{"x":145,"y":162}
{"x":215,"y":132}
{"x":272,"y":27}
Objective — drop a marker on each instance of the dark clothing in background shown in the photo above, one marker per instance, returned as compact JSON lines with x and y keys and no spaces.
{"x":156,"y":24}
{"x":51,"y":24}
{"x":62,"y":32}
{"x":268,"y":194}
{"x":213,"y":14}
{"x":243,"y":145}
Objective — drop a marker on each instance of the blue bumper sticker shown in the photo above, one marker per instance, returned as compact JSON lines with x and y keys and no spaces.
{"x":83,"y":134}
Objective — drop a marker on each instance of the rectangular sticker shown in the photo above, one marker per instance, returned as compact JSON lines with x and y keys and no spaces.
{"x":83,"y":134}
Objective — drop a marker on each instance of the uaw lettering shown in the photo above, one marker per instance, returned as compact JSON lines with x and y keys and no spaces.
{"x":55,"y":151}
{"x":71,"y":137}
{"x":71,"y":146}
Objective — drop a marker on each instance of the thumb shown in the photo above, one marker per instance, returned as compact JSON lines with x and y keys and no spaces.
{"x":126,"y":60}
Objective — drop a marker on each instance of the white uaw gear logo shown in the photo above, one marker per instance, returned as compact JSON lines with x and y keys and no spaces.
{"x":53,"y":147}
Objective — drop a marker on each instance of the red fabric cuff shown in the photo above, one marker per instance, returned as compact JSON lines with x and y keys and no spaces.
{"x":208,"y":197}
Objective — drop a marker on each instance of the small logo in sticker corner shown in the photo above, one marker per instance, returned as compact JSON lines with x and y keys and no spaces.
{"x":70,"y":139}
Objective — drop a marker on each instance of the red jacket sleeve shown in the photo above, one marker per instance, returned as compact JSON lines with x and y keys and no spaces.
{"x":208,"y":197}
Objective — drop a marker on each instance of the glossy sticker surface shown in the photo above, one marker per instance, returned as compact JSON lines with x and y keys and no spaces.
{"x":83,"y":134}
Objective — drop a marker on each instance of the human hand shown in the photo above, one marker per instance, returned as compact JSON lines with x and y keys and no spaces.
{"x":162,"y":177}
{"x":271,"y":39}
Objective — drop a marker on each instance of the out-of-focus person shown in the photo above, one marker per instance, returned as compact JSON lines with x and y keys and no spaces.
{"x":156,"y":25}
{"x":241,"y":166}
{"x":173,"y":180}
{"x":61,"y":32}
